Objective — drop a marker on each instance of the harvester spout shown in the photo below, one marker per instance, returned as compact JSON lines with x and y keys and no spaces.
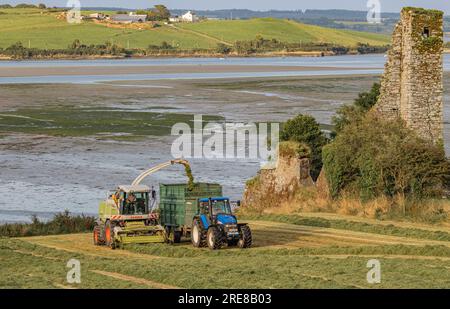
{"x":158,"y":167}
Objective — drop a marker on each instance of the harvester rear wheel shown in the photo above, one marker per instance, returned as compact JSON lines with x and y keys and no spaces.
{"x":198,"y":235}
{"x":214,"y":238}
{"x":246,"y":237}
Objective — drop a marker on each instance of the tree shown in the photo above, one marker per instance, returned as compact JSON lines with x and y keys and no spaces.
{"x":304,"y":129}
{"x":223,"y":48}
{"x":42,"y":6}
{"x":162,"y":11}
{"x":159,"y":12}
{"x":352,"y":113}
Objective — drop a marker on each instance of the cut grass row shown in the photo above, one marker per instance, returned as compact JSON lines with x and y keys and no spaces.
{"x":187,"y":251}
{"x":34,"y":266}
{"x":382,"y":229}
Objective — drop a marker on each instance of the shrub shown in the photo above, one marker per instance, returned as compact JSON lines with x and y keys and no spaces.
{"x":374,"y":157}
{"x":223,"y":48}
{"x":368,"y":49}
{"x":304,"y":129}
{"x":244,"y":47}
{"x":62,"y":223}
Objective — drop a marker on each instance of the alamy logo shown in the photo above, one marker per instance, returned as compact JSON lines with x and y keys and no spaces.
{"x":374,"y":13}
{"x":73,"y":16}
{"x":226,"y":141}
{"x":374,"y":274}
{"x":74,"y":274}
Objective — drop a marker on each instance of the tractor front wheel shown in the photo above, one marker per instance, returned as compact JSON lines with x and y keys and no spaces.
{"x":214,"y":238}
{"x":245,"y":241}
{"x":109,"y":235}
{"x":98,"y":240}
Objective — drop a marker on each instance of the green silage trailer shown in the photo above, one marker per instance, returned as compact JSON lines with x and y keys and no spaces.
{"x":178,"y":205}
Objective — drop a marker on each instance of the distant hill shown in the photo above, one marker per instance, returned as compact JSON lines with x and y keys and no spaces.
{"x":296,"y":14}
{"x":46,"y":31}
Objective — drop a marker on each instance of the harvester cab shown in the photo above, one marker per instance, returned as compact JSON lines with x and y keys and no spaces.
{"x":217,"y":225}
{"x":125,"y":218}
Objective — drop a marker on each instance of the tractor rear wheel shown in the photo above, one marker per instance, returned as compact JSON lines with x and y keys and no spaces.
{"x":198,"y":235}
{"x":109,"y":235}
{"x":245,"y":240}
{"x":214,"y":238}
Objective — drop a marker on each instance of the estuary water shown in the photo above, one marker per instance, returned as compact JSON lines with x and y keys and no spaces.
{"x":44,"y":175}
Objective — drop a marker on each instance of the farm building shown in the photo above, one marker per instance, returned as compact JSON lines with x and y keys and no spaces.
{"x":98,"y":16}
{"x":129,"y":18}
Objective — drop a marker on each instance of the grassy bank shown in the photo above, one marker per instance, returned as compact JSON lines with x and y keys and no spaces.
{"x":43,"y":30}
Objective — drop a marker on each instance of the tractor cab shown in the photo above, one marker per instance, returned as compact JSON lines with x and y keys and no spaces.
{"x":216,"y":210}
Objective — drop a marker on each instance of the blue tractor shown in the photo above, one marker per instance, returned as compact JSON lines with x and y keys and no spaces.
{"x":215,"y":225}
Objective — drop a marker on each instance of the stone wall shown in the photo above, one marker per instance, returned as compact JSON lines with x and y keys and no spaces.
{"x":411,"y":86}
{"x":273,"y":186}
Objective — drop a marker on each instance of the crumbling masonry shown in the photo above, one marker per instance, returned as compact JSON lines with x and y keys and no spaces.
{"x":411,"y":87}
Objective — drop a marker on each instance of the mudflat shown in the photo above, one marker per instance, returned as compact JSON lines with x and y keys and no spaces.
{"x":154,"y":69}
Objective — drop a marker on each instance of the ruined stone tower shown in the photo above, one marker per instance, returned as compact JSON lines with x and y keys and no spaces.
{"x":411,"y":87}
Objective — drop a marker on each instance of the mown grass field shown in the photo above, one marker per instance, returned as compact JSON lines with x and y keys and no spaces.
{"x":284,"y":255}
{"x":284,"y":31}
{"x":41,"y":29}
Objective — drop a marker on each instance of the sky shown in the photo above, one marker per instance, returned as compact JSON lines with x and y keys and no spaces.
{"x":258,"y":5}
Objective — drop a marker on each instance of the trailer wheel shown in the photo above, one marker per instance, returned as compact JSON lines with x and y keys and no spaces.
{"x":214,"y":238}
{"x":177,"y":237}
{"x":198,"y":236}
{"x":109,"y":236}
{"x":245,"y":241}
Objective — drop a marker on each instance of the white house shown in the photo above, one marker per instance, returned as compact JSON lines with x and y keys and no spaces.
{"x":189,"y":17}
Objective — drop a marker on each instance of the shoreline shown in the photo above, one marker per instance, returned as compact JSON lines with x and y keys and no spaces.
{"x":310,"y":54}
